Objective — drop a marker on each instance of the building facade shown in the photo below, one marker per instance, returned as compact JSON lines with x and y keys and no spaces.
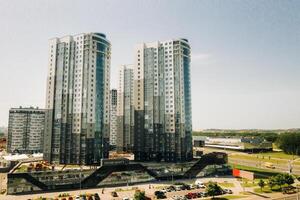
{"x":77,"y":99}
{"x":125,"y":111}
{"x":113,"y":118}
{"x":25,"y":130}
{"x":162,"y":101}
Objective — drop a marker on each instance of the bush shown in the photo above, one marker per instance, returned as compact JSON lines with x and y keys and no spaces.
{"x":139,"y":195}
{"x":280,"y":180}
{"x":213,"y":189}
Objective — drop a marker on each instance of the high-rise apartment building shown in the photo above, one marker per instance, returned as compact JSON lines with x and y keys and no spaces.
{"x":125,"y":110}
{"x":77,"y":99}
{"x":113,"y":118}
{"x":162,"y":101}
{"x":25,"y":130}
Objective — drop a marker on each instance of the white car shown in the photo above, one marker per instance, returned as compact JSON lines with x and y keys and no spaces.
{"x":177,"y":197}
{"x":198,"y":181}
{"x":164,"y":190}
{"x":178,"y":188}
{"x":77,"y":198}
{"x":192,"y":186}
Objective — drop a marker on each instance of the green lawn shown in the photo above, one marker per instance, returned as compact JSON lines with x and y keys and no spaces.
{"x":259,"y":157}
{"x":272,"y":157}
{"x":234,"y":196}
{"x":227,"y":197}
{"x":280,"y":155}
{"x":266,"y":189}
{"x":254,"y":183}
{"x":226,"y":184}
{"x":259,"y":173}
{"x":249,"y":184}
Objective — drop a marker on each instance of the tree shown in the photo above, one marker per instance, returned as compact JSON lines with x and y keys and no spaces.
{"x":272,"y":182}
{"x":139,"y":195}
{"x":213,"y":189}
{"x":280,"y":180}
{"x":261,"y":184}
{"x":289,"y":143}
{"x":288,"y":179}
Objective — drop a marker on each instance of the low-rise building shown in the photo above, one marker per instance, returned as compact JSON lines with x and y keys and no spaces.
{"x":25,"y":130}
{"x":233,"y":143}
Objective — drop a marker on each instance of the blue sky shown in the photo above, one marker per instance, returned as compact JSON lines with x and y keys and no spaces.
{"x":245,"y":54}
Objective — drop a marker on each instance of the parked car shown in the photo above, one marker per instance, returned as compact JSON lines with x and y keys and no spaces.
{"x":178,"y":187}
{"x":201,"y":185}
{"x":203,"y":194}
{"x":114,"y":194}
{"x":227,"y":191}
{"x":164,"y":190}
{"x":170,"y":188}
{"x":191,"y":195}
{"x":83,"y":197}
{"x":96,"y":196}
{"x":158,"y":192}
{"x":77,"y":198}
{"x":193,"y":186}
{"x":176,"y":197}
{"x":160,"y":195}
{"x":199,"y":182}
{"x":186,"y":187}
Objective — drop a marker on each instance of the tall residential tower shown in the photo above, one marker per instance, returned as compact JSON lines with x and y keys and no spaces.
{"x":113,"y":118}
{"x":77,"y":99}
{"x":162,"y":101}
{"x":125,"y":111}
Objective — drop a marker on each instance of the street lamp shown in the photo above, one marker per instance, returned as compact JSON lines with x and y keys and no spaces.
{"x":80,"y":178}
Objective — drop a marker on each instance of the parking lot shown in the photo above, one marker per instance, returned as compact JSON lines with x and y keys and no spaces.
{"x":127,"y":192}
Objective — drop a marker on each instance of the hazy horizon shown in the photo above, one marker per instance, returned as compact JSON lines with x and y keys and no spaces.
{"x":245,"y":54}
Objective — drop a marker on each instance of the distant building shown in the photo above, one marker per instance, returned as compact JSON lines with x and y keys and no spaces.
{"x":3,"y":131}
{"x":77,"y":99}
{"x":233,"y":143}
{"x":125,"y":111}
{"x":113,"y":117}
{"x":25,"y":130}
{"x":162,"y":101}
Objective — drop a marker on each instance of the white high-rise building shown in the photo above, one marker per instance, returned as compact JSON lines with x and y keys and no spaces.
{"x":77,"y":99}
{"x":162,"y":101}
{"x":125,"y":110}
{"x":113,"y":117}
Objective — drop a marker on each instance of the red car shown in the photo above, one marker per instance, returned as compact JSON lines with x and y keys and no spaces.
{"x":191,"y":195}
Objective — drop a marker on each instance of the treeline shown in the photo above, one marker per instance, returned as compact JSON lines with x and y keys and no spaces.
{"x":289,"y":143}
{"x":269,"y":136}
